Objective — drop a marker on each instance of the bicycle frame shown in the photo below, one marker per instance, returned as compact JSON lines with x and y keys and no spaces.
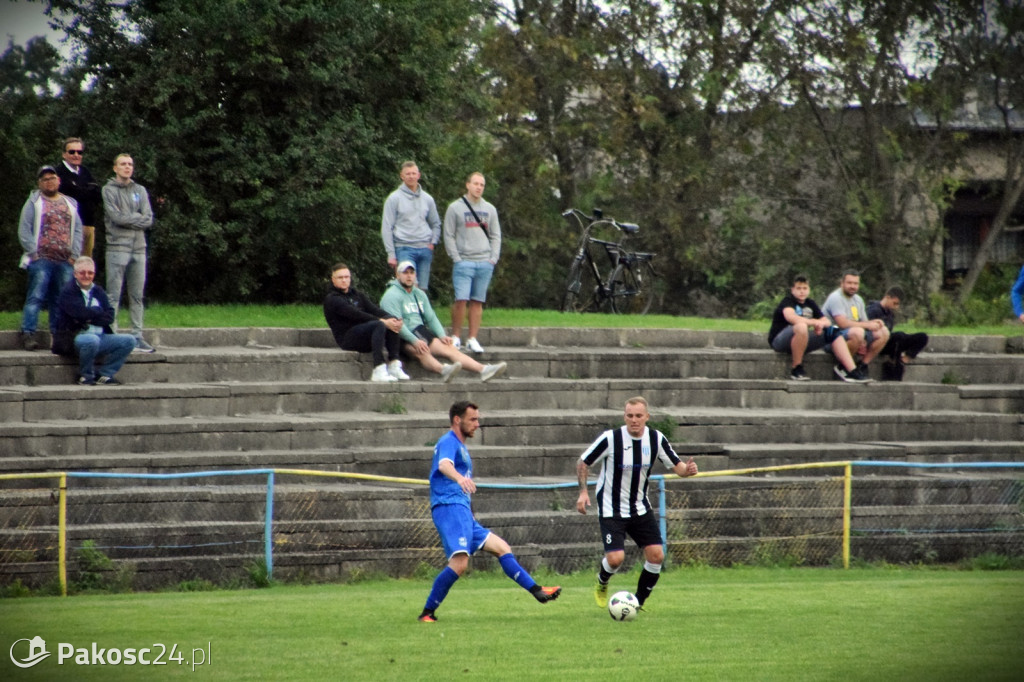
{"x":621,"y":263}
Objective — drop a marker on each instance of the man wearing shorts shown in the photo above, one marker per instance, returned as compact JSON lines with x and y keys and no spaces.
{"x":626,"y":455}
{"x":472,"y":237}
{"x":451,"y":484}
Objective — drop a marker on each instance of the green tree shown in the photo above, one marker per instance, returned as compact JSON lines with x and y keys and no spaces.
{"x":30,"y":79}
{"x":268,"y":132}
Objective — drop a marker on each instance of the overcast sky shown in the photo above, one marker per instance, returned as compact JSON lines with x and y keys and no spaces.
{"x":21,"y":21}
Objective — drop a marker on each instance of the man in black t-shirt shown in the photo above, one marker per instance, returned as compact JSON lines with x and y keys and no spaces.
{"x":799,"y":327}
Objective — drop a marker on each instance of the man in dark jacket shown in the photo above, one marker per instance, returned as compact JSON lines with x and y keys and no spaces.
{"x":78,"y":183}
{"x":901,"y":348}
{"x":359,"y":324}
{"x":83,"y":328}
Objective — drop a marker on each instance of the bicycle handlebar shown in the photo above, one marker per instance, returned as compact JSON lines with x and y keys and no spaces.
{"x":598,"y":217}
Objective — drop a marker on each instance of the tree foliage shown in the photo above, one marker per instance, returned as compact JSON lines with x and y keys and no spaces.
{"x":750,"y":140}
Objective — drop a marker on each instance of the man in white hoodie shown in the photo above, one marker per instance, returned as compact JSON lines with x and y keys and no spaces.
{"x":410,"y":225}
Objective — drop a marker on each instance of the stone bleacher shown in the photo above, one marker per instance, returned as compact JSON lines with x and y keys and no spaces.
{"x":220,"y":399}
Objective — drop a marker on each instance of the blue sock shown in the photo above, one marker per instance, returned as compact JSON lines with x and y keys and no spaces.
{"x":516,"y":572}
{"x":442,"y":583}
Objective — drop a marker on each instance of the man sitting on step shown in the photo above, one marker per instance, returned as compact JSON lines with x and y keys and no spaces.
{"x":359,"y":325}
{"x":423,"y":334}
{"x":83,"y":327}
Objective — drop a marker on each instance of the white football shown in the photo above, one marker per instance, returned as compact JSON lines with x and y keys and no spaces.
{"x":623,"y":606}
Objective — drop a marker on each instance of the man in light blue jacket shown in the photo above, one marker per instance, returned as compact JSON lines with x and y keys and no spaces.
{"x":423,"y":334}
{"x":410,"y":225}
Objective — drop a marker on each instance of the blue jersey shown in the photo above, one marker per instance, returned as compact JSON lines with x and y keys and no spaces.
{"x":444,"y":490}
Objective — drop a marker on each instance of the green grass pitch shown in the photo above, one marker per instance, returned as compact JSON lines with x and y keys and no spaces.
{"x":704,"y":624}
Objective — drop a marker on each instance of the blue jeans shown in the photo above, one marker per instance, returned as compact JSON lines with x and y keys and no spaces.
{"x":45,"y":280}
{"x":421,"y":257}
{"x":110,"y":349}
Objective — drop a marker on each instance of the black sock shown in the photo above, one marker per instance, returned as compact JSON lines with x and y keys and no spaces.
{"x":603,"y":576}
{"x":644,"y":586}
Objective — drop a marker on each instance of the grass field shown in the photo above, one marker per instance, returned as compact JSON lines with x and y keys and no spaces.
{"x":311,"y":316}
{"x":873,"y":624}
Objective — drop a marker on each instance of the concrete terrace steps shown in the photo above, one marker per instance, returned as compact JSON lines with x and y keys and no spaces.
{"x":235,"y":398}
{"x":57,"y":437}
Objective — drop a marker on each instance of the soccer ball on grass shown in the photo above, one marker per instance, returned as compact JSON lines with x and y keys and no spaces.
{"x":623,"y":606}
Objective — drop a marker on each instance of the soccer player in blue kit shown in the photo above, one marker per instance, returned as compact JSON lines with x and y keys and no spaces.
{"x":451,"y":484}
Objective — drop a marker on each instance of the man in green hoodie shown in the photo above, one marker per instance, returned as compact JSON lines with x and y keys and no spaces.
{"x":423,"y":334}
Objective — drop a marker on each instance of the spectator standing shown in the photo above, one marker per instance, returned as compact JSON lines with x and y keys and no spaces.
{"x":845,"y":306}
{"x":799,"y":327}
{"x":359,"y":324}
{"x":901,"y":347}
{"x":472,"y":237}
{"x":77,"y":182}
{"x":84,"y":329}
{"x":410,"y":225}
{"x":128,"y":216}
{"x":1017,"y":296}
{"x":423,"y":333}
{"x":50,"y":233}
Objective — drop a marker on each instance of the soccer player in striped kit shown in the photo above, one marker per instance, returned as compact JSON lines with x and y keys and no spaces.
{"x":626,"y":455}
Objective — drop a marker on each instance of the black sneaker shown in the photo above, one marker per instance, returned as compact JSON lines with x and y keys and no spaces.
{"x":860,"y":375}
{"x":427,"y":616}
{"x":853,"y":376}
{"x":28,"y":341}
{"x":104,"y":380}
{"x":798,"y":374}
{"x":84,"y":381}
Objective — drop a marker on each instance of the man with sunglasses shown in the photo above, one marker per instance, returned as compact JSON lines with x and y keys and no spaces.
{"x":50,"y":233}
{"x":78,"y":183}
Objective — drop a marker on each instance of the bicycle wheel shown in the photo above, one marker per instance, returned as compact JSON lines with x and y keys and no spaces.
{"x":579,"y":289}
{"x":632,"y":289}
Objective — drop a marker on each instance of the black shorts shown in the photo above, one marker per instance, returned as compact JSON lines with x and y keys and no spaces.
{"x":421,"y":332}
{"x":643,"y":529}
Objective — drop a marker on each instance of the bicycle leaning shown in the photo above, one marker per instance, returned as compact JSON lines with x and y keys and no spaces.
{"x":628,"y":286}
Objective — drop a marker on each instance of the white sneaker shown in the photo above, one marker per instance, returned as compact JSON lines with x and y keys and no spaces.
{"x":491,"y":371}
{"x":395,"y":370}
{"x":380,"y":373}
{"x":448,"y":372}
{"x":474,"y":345}
{"x":456,"y":342}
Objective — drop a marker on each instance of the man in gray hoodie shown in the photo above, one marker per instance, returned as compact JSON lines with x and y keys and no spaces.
{"x":472,"y":237}
{"x":423,"y":334}
{"x":128,"y":216}
{"x":410,"y":225}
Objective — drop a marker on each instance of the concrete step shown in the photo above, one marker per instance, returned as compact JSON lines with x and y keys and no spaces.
{"x":221,"y":399}
{"x":60,"y":437}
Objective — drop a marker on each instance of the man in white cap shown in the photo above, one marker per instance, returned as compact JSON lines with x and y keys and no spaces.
{"x":422,"y":333}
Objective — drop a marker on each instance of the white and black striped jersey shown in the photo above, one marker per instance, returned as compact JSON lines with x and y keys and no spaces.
{"x":625,"y":466}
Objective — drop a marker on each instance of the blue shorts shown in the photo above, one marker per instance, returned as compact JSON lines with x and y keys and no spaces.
{"x":471,"y":280}
{"x":459,"y":531}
